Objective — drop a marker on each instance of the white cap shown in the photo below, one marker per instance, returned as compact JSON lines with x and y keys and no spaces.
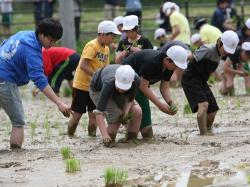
{"x":179,"y":56}
{"x":230,"y":41}
{"x":247,"y":23}
{"x":118,"y":20}
{"x":159,"y":32}
{"x":107,"y":27}
{"x":124,"y":77}
{"x":195,"y":38}
{"x":246,"y":46}
{"x":166,"y":8}
{"x":129,"y":22}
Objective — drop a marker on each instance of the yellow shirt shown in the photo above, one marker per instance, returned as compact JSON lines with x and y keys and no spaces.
{"x":177,"y":19}
{"x":209,"y":34}
{"x":98,"y":56}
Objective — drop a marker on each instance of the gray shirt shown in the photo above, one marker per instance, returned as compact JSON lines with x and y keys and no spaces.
{"x":104,"y":81}
{"x":206,"y":60}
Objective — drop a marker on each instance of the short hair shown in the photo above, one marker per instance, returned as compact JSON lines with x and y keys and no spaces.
{"x":50,"y":27}
{"x":221,"y":2}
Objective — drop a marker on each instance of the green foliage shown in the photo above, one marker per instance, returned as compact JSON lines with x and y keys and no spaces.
{"x":187,"y":109}
{"x":114,"y":176}
{"x":248,"y":179}
{"x":73,"y":165}
{"x":65,"y":152}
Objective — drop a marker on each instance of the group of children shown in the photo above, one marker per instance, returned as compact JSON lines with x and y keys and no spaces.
{"x":115,"y":93}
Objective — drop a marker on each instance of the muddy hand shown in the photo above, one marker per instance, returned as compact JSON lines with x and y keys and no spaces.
{"x":107,"y":141}
{"x":65,"y":109}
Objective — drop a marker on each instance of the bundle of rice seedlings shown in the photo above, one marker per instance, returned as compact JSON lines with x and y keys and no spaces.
{"x":65,"y":152}
{"x":73,"y":165}
{"x":115,"y":177}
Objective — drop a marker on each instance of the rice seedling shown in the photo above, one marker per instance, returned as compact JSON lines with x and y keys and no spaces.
{"x":115,"y":177}
{"x":211,"y":80}
{"x":238,"y":103}
{"x":73,"y":165}
{"x":33,"y":126}
{"x":65,"y":152}
{"x":187,"y":109}
{"x":47,"y":127}
{"x":174,"y":108}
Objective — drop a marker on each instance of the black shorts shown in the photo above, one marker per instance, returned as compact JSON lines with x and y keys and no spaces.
{"x":198,"y":91}
{"x":81,"y":101}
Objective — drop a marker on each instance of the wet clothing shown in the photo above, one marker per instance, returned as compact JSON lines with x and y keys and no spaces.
{"x":195,"y":77}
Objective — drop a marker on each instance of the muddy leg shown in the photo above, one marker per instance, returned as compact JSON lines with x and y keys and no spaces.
{"x":73,"y":123}
{"x":147,"y":132}
{"x":92,"y":125}
{"x":202,"y":117}
{"x":134,"y":125}
{"x":16,"y":137}
{"x":210,"y":121}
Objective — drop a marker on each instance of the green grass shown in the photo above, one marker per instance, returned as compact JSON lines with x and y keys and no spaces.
{"x":65,"y":152}
{"x":73,"y":165}
{"x":114,"y":176}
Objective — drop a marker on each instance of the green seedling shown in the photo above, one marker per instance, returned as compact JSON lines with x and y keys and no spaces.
{"x":174,"y":108}
{"x":238,"y":103}
{"x":125,"y":119}
{"x":187,"y":109}
{"x":33,"y":126}
{"x":47,"y":127}
{"x":73,"y":165}
{"x":65,"y":152}
{"x":248,"y":179}
{"x":115,"y":177}
{"x":211,"y":80}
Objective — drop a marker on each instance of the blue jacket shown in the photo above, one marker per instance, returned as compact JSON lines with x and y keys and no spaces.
{"x":21,"y":60}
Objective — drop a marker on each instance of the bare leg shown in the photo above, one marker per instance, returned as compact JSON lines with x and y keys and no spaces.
{"x":70,"y":82}
{"x":210,"y":121}
{"x":134,"y":125}
{"x":73,"y":123}
{"x":16,"y":137}
{"x":113,"y":129}
{"x":202,"y":117}
{"x":147,"y":132}
{"x":92,"y":126}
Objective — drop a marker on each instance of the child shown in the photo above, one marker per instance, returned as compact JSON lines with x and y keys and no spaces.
{"x":95,"y":55}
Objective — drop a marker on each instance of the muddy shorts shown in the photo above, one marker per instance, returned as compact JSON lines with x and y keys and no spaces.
{"x":146,"y":113}
{"x":198,"y":91}
{"x":113,"y":111}
{"x":10,"y":101}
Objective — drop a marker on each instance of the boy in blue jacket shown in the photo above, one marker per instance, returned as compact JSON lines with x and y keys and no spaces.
{"x":20,"y":62}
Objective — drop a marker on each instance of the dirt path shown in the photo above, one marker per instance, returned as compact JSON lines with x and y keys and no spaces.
{"x":176,"y":149}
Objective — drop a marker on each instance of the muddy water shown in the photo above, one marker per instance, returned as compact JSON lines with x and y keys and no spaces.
{"x":177,"y":155}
